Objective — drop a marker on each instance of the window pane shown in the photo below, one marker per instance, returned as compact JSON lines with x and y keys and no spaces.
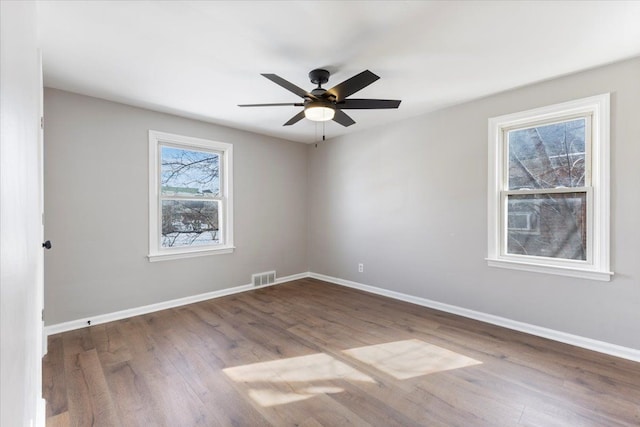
{"x":547,"y":225}
{"x":189,"y":223}
{"x":189,"y":172}
{"x":548,"y":156}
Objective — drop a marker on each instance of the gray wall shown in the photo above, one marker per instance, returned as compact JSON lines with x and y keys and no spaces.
{"x":96,"y":209}
{"x":410,"y":202}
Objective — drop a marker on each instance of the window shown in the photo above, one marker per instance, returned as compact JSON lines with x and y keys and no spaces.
{"x":190,"y":197}
{"x":548,"y":198}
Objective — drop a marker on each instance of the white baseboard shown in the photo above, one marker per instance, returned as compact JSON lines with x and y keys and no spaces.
{"x":124,"y":314}
{"x":576,"y":340}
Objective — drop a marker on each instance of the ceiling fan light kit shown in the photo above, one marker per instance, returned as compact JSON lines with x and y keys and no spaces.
{"x":318,"y":112}
{"x":321,"y":105}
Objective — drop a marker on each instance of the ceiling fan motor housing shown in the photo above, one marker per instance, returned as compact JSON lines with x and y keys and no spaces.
{"x":321,"y":93}
{"x":312,"y":103}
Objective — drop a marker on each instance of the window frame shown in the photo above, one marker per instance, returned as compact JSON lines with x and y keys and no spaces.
{"x":158,"y":139}
{"x":596,"y":187}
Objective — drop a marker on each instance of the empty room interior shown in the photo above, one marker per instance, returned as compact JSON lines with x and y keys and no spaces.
{"x":320,"y":213}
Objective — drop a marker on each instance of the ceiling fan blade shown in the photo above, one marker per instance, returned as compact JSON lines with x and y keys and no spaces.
{"x":343,"y":119}
{"x":292,"y":104}
{"x":352,"y":85}
{"x":288,"y":86}
{"x":295,"y":119}
{"x":367,"y":104}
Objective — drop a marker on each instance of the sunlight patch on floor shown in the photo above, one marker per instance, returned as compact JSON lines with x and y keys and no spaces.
{"x":273,"y":396}
{"x":410,"y":358}
{"x":267,"y":397}
{"x":290,"y":380}
{"x":314,"y":367}
{"x":294,"y":379}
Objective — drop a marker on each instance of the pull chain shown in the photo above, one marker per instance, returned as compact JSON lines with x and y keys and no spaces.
{"x":323,"y":133}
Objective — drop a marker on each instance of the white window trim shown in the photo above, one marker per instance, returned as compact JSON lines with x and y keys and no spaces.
{"x":597,"y":267}
{"x":157,"y":253}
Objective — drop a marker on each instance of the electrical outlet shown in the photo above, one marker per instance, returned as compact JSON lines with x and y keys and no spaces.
{"x":360,"y":268}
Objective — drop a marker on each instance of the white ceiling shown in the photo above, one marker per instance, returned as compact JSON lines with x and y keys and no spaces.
{"x":201,"y":58}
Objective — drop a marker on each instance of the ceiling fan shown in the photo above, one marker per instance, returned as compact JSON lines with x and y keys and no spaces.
{"x":327,"y":104}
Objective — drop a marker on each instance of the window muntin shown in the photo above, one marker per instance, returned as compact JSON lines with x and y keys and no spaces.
{"x":548,"y":194}
{"x":190,"y":201}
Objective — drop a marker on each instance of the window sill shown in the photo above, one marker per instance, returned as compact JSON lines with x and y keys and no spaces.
{"x":189,"y":254}
{"x":582,"y":273}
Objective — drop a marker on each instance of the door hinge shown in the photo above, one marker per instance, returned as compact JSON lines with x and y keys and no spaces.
{"x":41,"y":122}
{"x":42,"y":314}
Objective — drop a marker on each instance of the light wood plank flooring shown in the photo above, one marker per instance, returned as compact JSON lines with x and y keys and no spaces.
{"x":309,"y":353}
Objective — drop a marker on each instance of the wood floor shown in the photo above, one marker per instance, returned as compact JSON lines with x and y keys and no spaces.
{"x":309,"y":353}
